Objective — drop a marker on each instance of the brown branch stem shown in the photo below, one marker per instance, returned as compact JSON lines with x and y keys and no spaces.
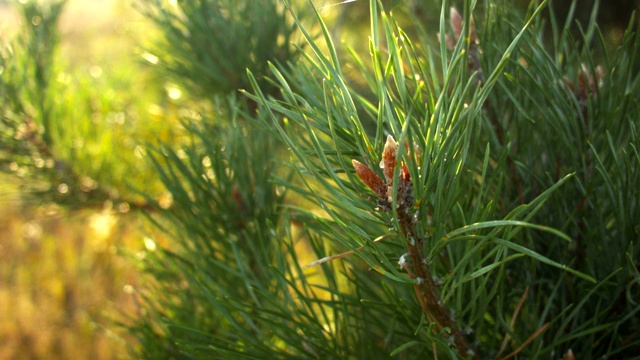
{"x":426,"y":288}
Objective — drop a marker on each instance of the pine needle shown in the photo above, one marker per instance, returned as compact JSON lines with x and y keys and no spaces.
{"x":341,"y":255}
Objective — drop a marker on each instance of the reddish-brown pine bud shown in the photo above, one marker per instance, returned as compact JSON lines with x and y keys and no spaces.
{"x":456,"y":22}
{"x":389,"y":154}
{"x":598,"y":76}
{"x":371,"y":179}
{"x":569,"y":83}
{"x":405,"y":176}
{"x":569,"y":355}
{"x":588,"y":82}
{"x":584,"y":81}
{"x":451,"y":44}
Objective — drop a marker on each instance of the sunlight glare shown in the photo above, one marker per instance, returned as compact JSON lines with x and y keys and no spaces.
{"x":149,"y":244}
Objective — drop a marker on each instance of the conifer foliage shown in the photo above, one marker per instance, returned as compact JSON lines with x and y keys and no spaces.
{"x":478,"y":200}
{"x":467,"y":188}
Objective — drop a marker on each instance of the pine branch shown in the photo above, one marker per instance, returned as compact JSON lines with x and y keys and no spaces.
{"x":418,"y":269}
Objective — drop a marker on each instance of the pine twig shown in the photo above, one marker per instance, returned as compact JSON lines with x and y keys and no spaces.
{"x":425,"y":287}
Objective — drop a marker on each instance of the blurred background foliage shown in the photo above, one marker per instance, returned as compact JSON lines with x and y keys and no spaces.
{"x":86,"y":92}
{"x":76,"y":110}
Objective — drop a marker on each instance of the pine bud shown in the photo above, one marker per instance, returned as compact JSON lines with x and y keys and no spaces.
{"x":456,"y":22}
{"x":370,"y":178}
{"x":569,"y":355}
{"x":389,"y":154}
{"x":587,"y":82}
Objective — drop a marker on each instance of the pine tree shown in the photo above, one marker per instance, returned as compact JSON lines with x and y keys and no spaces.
{"x":500,"y":222}
{"x":461,"y":187}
